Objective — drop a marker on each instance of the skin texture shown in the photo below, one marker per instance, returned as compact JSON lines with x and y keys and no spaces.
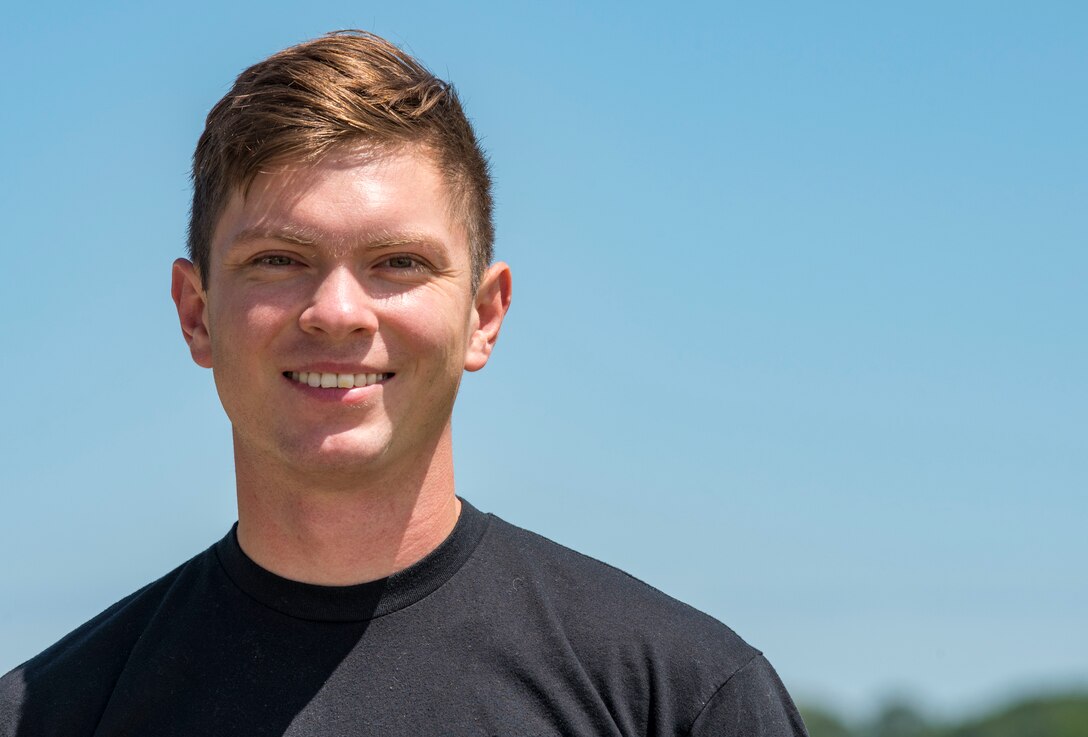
{"x":350,"y":265}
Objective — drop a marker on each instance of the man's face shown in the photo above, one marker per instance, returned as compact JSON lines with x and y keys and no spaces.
{"x":349,"y":272}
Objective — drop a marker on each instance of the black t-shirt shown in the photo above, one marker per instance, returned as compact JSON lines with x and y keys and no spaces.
{"x":497,"y":632}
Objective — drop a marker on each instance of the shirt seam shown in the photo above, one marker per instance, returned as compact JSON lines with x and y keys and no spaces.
{"x":719,"y":689}
{"x":226,"y":571}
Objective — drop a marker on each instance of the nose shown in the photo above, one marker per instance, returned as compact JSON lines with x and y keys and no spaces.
{"x":339,"y":306}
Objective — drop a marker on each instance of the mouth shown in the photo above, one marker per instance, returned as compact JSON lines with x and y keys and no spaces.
{"x":320,"y":380}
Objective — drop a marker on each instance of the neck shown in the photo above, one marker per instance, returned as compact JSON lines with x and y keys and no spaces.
{"x":341,"y":530}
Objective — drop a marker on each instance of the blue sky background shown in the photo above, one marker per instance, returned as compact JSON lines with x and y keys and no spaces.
{"x":798,"y":331}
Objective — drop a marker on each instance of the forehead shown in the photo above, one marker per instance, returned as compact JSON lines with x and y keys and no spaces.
{"x":350,"y":197}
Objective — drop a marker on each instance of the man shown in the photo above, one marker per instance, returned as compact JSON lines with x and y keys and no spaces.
{"x":340,"y":282}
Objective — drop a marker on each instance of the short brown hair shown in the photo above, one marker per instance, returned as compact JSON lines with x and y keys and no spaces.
{"x":344,"y":88}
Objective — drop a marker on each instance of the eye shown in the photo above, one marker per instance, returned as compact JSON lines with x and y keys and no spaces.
{"x":402,"y":263}
{"x":274,"y":259}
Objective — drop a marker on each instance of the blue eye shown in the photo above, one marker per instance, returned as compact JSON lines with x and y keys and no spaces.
{"x":402,"y":262}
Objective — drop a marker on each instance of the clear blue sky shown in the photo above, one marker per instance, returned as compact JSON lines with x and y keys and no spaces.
{"x":798,"y":332}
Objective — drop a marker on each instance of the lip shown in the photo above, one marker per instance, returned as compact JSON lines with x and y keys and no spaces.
{"x":336,"y":395}
{"x":336,"y":368}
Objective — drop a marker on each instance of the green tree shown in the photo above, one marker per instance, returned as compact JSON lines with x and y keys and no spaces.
{"x":1043,"y":716}
{"x":899,"y":719}
{"x":1052,"y":716}
{"x":823,"y":723}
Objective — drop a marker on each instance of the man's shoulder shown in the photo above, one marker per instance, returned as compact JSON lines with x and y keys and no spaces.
{"x":612,"y":609}
{"x":658,"y":664}
{"x":77,"y":672}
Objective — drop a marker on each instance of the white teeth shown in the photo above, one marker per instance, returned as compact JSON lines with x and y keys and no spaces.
{"x":330,"y":381}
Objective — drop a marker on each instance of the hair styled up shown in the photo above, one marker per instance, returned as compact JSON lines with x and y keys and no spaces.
{"x":345,"y":88}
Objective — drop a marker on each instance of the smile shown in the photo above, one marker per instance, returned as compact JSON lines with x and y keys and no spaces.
{"x":335,"y":381}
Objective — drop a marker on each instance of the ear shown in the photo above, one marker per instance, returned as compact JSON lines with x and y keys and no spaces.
{"x":491,"y":303}
{"x":187,"y":289}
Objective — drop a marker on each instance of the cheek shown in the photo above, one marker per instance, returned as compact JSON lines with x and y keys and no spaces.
{"x":243,"y":320}
{"x":427,"y":328}
{"x":241,"y":339}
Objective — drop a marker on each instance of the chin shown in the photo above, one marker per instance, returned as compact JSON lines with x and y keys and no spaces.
{"x":329,"y":454}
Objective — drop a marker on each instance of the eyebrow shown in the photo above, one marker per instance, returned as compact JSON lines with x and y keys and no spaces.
{"x":278,"y":232}
{"x":311,"y":237}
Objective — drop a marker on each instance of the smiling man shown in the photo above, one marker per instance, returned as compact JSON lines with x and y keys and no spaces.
{"x":340,"y":283}
{"x":339,"y":311}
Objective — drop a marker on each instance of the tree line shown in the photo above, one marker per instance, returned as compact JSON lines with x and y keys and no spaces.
{"x":1056,"y":715}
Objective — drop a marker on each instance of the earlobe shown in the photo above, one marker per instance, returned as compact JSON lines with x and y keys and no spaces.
{"x":492,"y":301}
{"x":187,"y":289}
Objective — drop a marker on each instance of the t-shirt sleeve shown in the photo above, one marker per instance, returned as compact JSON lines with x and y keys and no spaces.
{"x":12,"y":691}
{"x":752,"y":703}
